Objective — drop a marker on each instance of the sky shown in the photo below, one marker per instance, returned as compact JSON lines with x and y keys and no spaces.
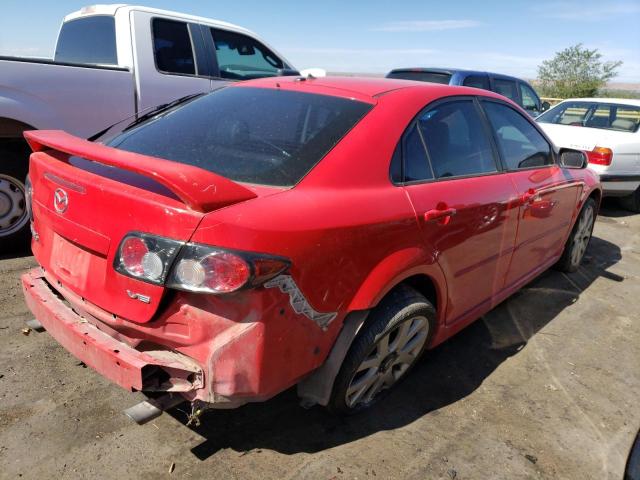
{"x":510,"y":36}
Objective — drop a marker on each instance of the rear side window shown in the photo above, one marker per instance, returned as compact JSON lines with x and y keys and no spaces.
{"x":253,"y":135}
{"x":416,"y":165}
{"x":88,"y":40}
{"x":506,"y":88}
{"x":433,"y":77}
{"x":626,"y":118}
{"x":456,"y":140}
{"x":172,"y":47}
{"x":242,"y":58}
{"x":521,"y":145}
{"x":477,"y":81}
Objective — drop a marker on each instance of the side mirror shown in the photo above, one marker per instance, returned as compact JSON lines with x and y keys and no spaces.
{"x":545,"y":106}
{"x":573,"y":159}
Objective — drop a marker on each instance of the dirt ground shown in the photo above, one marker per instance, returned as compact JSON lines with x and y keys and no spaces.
{"x":545,"y":386}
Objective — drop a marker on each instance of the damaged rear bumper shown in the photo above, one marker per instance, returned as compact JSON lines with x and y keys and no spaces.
{"x":153,"y":370}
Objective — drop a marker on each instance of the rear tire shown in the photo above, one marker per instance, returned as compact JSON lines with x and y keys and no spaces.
{"x":14,"y":215}
{"x":579,"y":239}
{"x":388,"y":346}
{"x":631,"y":202}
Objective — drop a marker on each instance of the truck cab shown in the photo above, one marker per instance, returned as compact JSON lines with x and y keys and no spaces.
{"x":114,"y":62}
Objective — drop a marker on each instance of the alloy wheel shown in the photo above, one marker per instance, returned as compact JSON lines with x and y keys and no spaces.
{"x":582,"y":236}
{"x":389,"y":359}
{"x":13,"y":206}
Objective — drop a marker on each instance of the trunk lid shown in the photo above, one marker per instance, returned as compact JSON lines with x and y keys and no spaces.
{"x":582,"y":138}
{"x":86,"y":197}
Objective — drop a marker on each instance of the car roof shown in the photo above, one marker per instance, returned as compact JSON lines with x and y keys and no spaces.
{"x":111,"y":9}
{"x":452,"y":71}
{"x":625,"y":101}
{"x":359,"y":88}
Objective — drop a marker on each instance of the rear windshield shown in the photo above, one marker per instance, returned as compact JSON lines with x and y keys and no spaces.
{"x":89,"y":40}
{"x":253,"y":135}
{"x":433,"y":77}
{"x":606,"y":116}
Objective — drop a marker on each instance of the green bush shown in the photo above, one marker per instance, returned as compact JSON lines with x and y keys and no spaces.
{"x":575,"y":72}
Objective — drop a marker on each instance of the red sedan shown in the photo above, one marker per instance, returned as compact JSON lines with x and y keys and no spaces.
{"x":318,"y":232}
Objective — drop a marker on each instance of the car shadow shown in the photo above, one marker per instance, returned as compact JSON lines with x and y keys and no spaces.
{"x":611,"y":208}
{"x":444,"y":376}
{"x":23,"y":250}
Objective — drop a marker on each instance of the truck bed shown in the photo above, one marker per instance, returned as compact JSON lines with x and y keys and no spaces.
{"x":80,"y":99}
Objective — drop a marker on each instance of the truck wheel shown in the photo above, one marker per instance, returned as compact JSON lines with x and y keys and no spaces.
{"x":579,"y":239}
{"x":632,"y":202}
{"x":386,"y":348}
{"x":14,"y":216}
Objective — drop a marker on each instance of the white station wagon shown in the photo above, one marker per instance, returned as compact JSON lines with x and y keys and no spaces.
{"x":607,"y":128}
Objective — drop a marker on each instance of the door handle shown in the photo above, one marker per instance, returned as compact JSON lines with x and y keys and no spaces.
{"x":444,"y":214}
{"x":529,"y":197}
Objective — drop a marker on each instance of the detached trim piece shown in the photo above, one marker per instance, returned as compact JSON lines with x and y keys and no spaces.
{"x":299,"y":303}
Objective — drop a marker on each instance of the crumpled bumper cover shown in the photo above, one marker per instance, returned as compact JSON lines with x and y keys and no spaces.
{"x":110,"y":357}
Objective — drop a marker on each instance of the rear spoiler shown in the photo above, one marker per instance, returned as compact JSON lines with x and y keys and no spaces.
{"x":199,"y":189}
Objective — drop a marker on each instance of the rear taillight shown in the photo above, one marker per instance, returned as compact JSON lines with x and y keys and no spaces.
{"x":201,"y":268}
{"x":600,"y":156}
{"x":193,"y":267}
{"x":146,"y":257}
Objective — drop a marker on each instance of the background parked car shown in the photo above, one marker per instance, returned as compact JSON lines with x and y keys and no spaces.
{"x":511,"y":87}
{"x":112,"y":62}
{"x":608,"y":129}
{"x":223,"y":251}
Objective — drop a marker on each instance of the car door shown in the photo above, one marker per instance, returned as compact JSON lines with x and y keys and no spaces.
{"x":547,"y":193}
{"x":463,"y":201}
{"x":168,"y":57}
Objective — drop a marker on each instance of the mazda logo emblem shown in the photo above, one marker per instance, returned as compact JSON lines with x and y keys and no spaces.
{"x":60,"y":200}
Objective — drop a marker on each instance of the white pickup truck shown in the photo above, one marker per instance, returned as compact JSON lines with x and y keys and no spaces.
{"x":113,"y":62}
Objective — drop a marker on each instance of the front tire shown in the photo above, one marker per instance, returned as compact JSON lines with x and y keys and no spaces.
{"x":386,"y":348}
{"x":579,"y":239}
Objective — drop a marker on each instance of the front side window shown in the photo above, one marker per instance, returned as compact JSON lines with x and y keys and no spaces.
{"x":529,"y":98}
{"x":88,"y":40}
{"x":456,"y":141}
{"x":172,"y":47}
{"x":242,"y":58}
{"x":506,"y":88}
{"x":521,"y":145}
{"x":253,"y":135}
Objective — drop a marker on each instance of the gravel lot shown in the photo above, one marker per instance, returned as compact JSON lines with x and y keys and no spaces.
{"x":545,"y":386}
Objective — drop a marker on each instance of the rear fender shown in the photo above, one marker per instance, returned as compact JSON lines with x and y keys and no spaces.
{"x":393,"y":270}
